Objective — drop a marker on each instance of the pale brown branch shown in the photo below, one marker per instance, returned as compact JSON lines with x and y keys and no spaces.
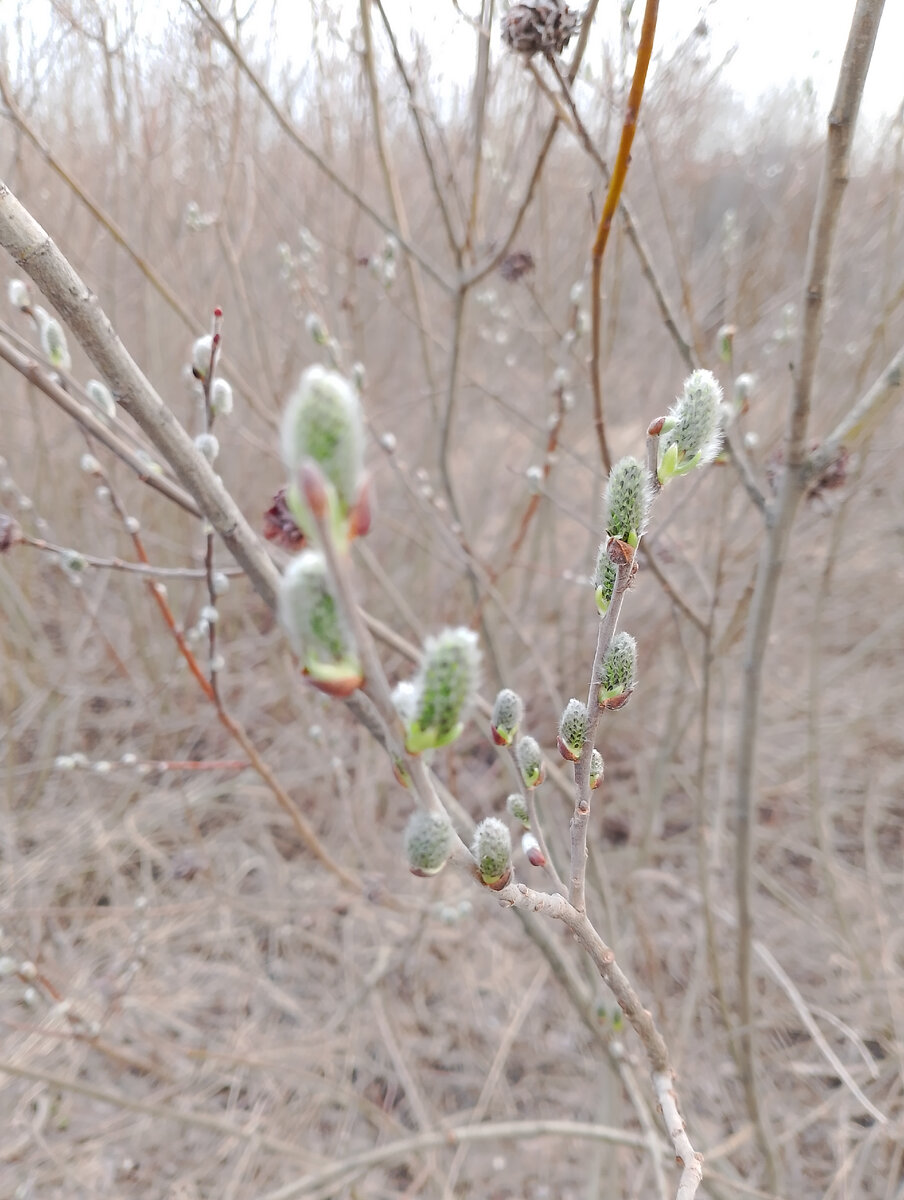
{"x":36,"y":253}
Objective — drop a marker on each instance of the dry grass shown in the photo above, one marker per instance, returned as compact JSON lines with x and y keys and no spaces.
{"x":254,"y":1020}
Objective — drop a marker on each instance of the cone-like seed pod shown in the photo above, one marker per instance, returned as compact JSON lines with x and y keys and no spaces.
{"x":507,"y":713}
{"x":492,"y":848}
{"x":627,"y":500}
{"x":323,"y":422}
{"x":692,"y":431}
{"x":428,"y":842}
{"x":617,"y":671}
{"x":102,"y":398}
{"x":596,"y":770}
{"x":573,"y":730}
{"x":538,"y":27}
{"x":517,"y":806}
{"x":445,"y":685}
{"x":529,"y":757}
{"x":316,"y":627}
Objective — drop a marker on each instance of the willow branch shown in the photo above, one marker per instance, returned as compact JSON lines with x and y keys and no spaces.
{"x":36,"y":253}
{"x":616,"y":184}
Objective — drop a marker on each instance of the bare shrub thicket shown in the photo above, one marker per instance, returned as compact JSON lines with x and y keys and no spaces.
{"x":218,"y":976}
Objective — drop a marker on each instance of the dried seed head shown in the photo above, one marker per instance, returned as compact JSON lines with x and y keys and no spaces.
{"x":508,"y":710}
{"x":492,"y":849}
{"x":529,"y":758}
{"x":428,"y":842}
{"x":573,"y":730}
{"x":539,"y":27}
{"x":445,"y":684}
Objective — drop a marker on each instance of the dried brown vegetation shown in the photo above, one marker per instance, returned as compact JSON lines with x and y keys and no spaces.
{"x":212,"y":1011}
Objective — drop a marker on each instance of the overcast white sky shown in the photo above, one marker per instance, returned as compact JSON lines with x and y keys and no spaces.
{"x":774,"y":41}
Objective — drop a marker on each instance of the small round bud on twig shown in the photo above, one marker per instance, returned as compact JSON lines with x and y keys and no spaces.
{"x":596,"y":770}
{"x":517,"y":807}
{"x":573,"y":727}
{"x":617,"y":671}
{"x":508,"y":710}
{"x":529,"y":758}
{"x":208,"y":446}
{"x":492,"y":850}
{"x":200,"y":356}
{"x":316,"y":626}
{"x":428,"y":842}
{"x":692,"y":431}
{"x":530,"y":848}
{"x":323,"y":421}
{"x":221,"y":398}
{"x":19,"y":296}
{"x":445,"y":687}
{"x":102,"y":398}
{"x":53,"y":340}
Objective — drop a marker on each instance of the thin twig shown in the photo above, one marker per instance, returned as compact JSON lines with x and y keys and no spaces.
{"x":36,"y":253}
{"x":319,"y":161}
{"x":616,"y":184}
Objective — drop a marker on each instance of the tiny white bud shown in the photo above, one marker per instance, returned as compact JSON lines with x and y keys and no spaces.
{"x":207,"y":444}
{"x":133,"y":525}
{"x":30,"y":997}
{"x":221,"y":399}
{"x":102,"y":494}
{"x":102,"y":767}
{"x":534,"y":476}
{"x":89,"y":464}
{"x":8,"y":966}
{"x":64,"y":762}
{"x":209,"y":614}
{"x":388,"y":442}
{"x":80,"y":760}
{"x":129,"y":759}
{"x":200,"y":355}
{"x":217,"y":664}
{"x":102,"y":398}
{"x":28,"y":971}
{"x":18,"y":293}
{"x":220,"y":583}
{"x":576,"y":294}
